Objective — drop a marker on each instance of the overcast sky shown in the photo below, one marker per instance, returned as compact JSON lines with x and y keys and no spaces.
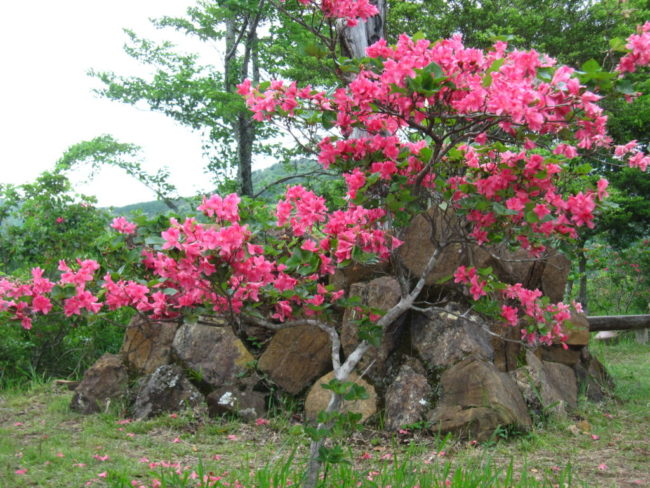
{"x":46,"y":49}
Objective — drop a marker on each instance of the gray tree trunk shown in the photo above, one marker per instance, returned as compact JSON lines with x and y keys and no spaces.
{"x":357,"y":39}
{"x":243,"y":126}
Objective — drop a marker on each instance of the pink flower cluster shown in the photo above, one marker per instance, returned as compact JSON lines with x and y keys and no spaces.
{"x":123,"y":226}
{"x":546,"y":322}
{"x":382,"y":101}
{"x":549,"y":321}
{"x":15,"y":298}
{"x":636,"y":158}
{"x":350,"y":10}
{"x":217,"y":265}
{"x":639,"y":46}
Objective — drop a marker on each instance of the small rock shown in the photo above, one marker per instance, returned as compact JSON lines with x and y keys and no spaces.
{"x":247,"y":404}
{"x":573,"y":429}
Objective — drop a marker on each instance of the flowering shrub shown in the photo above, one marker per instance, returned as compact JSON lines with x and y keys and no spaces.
{"x":485,"y":135}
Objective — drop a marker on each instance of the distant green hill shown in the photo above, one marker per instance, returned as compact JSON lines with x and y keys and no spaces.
{"x":269,"y":184}
{"x":150,"y":209}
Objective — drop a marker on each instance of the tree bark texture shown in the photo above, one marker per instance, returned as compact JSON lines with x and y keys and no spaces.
{"x":618,"y":322}
{"x":356,"y":39}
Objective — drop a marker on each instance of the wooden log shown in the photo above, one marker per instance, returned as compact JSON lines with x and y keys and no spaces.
{"x":618,"y":322}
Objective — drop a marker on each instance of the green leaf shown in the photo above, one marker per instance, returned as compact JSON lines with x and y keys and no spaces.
{"x":487,"y":81}
{"x":625,"y":87}
{"x":618,"y":44}
{"x":531,"y":217}
{"x":591,"y":66}
{"x":418,"y":36}
{"x":496,"y":65}
{"x":328,"y":119}
{"x":356,"y":392}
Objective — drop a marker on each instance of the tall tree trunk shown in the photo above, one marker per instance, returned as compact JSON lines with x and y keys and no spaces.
{"x":243,"y":126}
{"x":245,"y":140}
{"x":356,"y":39}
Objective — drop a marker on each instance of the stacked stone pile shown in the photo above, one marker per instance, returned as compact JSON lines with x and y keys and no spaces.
{"x":448,"y":369}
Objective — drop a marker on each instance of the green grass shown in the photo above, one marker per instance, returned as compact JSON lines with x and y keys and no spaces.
{"x":59,"y":448}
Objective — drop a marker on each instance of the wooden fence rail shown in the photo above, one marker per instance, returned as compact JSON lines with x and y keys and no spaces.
{"x":619,"y":322}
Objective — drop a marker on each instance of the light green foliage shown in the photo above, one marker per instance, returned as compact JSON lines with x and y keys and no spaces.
{"x":41,"y":223}
{"x":106,"y":151}
{"x":619,"y":279}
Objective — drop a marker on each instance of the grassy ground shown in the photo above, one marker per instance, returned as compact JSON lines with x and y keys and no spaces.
{"x":43,"y":444}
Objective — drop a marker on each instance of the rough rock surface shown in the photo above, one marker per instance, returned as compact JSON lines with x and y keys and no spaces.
{"x":318,"y":398}
{"x":147,"y":344}
{"x":381,"y":293}
{"x":247,"y":404}
{"x":428,"y":231}
{"x":555,"y":275}
{"x":549,"y":273}
{"x":578,"y":330}
{"x":563,"y":379}
{"x":213,"y":353}
{"x":345,"y":277}
{"x":165,"y":390}
{"x":408,"y":397}
{"x":593,"y":378}
{"x":296,"y":356}
{"x":540,"y":389}
{"x":477,"y":399}
{"x":104,"y":381}
{"x":507,"y":347}
{"x":442,"y":339}
{"x":557,"y":354}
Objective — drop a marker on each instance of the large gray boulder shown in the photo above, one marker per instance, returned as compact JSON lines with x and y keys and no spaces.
{"x":546,"y":387}
{"x":148,"y":344}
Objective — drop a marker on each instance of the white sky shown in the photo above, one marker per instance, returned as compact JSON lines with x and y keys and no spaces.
{"x":46,"y":48}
